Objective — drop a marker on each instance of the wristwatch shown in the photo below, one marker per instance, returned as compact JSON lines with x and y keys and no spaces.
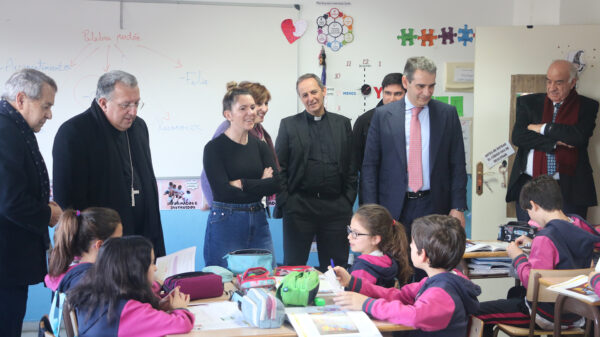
{"x":461,"y":209}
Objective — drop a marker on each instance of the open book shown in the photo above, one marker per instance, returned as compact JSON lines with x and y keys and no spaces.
{"x":577,"y":287}
{"x":485,"y":246}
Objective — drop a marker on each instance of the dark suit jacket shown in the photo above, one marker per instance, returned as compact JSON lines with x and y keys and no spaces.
{"x":292,"y":147}
{"x":359,"y":141}
{"x":88,"y":172}
{"x":384,"y":177}
{"x":578,"y":189}
{"x":24,"y":216}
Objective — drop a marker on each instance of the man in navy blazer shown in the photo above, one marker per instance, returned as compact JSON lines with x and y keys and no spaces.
{"x":384,"y":172}
{"x":25,"y":209}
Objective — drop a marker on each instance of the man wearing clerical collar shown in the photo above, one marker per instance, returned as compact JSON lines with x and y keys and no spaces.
{"x":319,"y":180}
{"x":552,"y":131}
{"x":102,"y":158}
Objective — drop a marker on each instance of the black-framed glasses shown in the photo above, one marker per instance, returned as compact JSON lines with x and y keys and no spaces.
{"x":354,"y":234}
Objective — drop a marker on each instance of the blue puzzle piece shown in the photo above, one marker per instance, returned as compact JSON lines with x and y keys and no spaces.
{"x":466,"y":35}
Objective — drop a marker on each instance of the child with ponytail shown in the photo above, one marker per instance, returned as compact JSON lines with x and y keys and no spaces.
{"x":77,"y":239}
{"x":383,"y":245}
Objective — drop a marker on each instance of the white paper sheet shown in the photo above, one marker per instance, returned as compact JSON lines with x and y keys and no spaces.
{"x":182,"y":261}
{"x":217,"y":316}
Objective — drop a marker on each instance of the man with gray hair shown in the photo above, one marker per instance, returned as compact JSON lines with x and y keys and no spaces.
{"x":414,"y":161}
{"x":25,"y":209}
{"x":314,"y":149}
{"x":552,"y":131}
{"x":102,"y":158}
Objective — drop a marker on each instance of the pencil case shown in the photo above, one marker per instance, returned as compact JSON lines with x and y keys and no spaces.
{"x":241,"y":260}
{"x":197,"y":284}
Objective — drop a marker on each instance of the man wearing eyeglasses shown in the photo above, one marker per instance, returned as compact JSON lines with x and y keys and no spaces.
{"x":102,"y":158}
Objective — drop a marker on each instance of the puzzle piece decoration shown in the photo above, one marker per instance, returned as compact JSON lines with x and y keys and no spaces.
{"x":466,"y":35}
{"x":407,"y":37}
{"x":447,"y":36}
{"x":427,"y":37}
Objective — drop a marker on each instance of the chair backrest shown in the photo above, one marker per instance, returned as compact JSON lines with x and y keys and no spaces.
{"x":545,"y":295}
{"x":70,"y":319}
{"x":475,"y":328}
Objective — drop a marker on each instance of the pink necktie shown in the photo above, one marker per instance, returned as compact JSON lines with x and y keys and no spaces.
{"x":415,"y":167}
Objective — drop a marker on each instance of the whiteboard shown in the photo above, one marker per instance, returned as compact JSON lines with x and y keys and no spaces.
{"x":182,"y":56}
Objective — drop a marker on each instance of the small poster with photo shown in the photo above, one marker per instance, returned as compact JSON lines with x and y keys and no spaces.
{"x":179,"y":193}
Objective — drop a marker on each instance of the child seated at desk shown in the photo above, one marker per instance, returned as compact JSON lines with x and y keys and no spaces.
{"x":382,"y":243}
{"x":560,"y":244}
{"x":438,"y":305}
{"x":77,"y":239}
{"x":115,"y":297}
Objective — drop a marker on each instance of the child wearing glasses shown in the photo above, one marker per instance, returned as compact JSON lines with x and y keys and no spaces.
{"x":382,"y":243}
{"x":438,"y":305}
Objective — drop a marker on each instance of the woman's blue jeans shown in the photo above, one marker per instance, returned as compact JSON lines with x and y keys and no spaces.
{"x":235,"y":226}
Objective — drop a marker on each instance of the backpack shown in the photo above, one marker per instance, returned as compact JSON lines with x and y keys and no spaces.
{"x":299,"y":288}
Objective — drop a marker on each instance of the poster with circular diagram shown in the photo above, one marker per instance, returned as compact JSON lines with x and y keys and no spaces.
{"x":335,"y":29}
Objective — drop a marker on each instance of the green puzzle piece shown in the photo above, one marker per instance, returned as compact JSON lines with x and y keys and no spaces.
{"x":407,"y":37}
{"x":441,"y":98}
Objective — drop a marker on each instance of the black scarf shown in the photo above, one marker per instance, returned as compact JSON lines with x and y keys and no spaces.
{"x":8,"y":110}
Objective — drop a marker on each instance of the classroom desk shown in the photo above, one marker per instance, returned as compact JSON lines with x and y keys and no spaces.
{"x":284,"y":331}
{"x":473,"y":255}
{"x":564,"y":303}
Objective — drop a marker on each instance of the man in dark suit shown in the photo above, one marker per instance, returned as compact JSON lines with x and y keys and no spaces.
{"x":414,"y":161}
{"x":552,"y":132}
{"x":392,"y":91}
{"x":319,"y":179}
{"x":25,"y":209}
{"x":102,"y":158}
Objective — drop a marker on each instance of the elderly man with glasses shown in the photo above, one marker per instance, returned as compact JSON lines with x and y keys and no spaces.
{"x":102,"y":158}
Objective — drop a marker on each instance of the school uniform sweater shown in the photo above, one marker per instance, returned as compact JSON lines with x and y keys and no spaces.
{"x":379,"y":270}
{"x":75,"y":272}
{"x":437,"y":306}
{"x":559,"y":245}
{"x":134,"y":319}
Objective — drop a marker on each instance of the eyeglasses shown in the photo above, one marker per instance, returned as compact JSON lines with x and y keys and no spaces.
{"x":354,"y":234}
{"x":126,"y":106}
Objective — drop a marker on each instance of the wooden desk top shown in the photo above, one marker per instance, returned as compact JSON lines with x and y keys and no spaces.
{"x":472,"y":255}
{"x":284,"y":331}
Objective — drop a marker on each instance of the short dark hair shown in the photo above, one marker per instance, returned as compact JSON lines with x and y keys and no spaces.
{"x":309,"y":76}
{"x":544,"y":191}
{"x":392,"y":78}
{"x":443,"y":239}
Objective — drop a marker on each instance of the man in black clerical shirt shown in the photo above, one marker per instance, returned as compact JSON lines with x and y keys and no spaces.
{"x":319,"y":178}
{"x":102,"y":158}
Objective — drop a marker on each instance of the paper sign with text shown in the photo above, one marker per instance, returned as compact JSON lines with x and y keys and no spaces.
{"x":498,"y":154}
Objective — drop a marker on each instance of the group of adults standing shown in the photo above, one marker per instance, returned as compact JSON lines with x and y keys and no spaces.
{"x":414,"y":165}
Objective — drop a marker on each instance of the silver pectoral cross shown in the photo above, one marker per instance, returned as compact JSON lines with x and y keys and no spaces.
{"x":133,"y":193}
